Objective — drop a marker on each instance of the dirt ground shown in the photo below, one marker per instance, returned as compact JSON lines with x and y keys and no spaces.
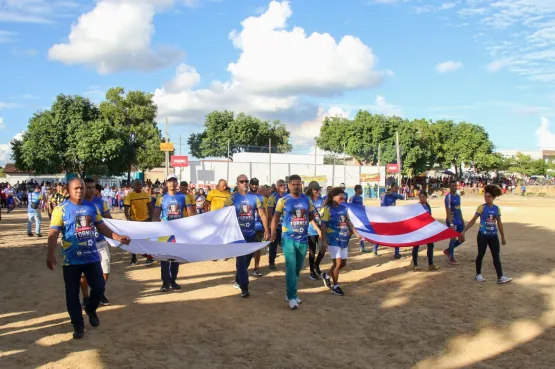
{"x":390,"y":317}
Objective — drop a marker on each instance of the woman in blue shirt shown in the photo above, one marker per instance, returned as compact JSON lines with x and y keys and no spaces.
{"x":490,"y":226}
{"x":335,"y":235}
{"x":314,"y":234}
{"x":423,"y":197}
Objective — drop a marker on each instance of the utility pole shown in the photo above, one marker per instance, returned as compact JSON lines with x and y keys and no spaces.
{"x":270,"y":159}
{"x":398,"y":158}
{"x":379,"y":170}
{"x":180,"y":168}
{"x":315,"y":148}
{"x":228,"y":156}
{"x":167,"y":152}
{"x":344,"y":164}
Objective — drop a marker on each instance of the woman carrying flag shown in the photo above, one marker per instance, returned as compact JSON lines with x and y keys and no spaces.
{"x":424,"y":202}
{"x":335,"y":234}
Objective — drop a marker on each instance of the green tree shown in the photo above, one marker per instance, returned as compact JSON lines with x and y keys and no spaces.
{"x":2,"y":174}
{"x":245,"y":133}
{"x":133,"y":116}
{"x":68,"y":137}
{"x":525,"y":165}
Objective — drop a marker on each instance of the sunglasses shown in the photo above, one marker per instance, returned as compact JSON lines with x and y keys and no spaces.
{"x":244,"y":181}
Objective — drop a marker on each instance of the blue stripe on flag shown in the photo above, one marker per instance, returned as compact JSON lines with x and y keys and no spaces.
{"x":359,"y":211}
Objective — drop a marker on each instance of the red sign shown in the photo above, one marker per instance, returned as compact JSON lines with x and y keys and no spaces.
{"x":179,"y":161}
{"x":392,"y":168}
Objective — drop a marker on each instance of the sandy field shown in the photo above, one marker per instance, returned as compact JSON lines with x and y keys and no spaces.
{"x":390,"y":316}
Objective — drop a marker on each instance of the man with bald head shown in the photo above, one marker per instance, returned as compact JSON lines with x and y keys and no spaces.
{"x":78,"y":223}
{"x":217,"y":197}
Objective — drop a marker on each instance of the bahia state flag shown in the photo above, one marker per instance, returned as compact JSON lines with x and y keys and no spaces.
{"x":398,"y":226}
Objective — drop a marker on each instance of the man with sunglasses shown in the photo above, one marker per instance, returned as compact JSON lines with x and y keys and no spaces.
{"x":272,"y":202}
{"x":246,"y":206}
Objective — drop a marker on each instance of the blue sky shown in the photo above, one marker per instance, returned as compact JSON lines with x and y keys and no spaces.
{"x":486,"y":62}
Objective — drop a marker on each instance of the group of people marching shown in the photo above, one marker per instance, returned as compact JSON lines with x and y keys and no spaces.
{"x":300,"y":222}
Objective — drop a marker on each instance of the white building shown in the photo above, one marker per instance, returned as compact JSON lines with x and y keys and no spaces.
{"x":252,"y":157}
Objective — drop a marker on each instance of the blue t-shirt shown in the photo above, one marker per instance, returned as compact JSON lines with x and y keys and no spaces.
{"x":246,"y":208}
{"x":318,"y":203}
{"x":337,"y":220}
{"x":172,"y":207}
{"x":77,"y":223}
{"x":428,"y":208}
{"x":391,"y":199}
{"x":102,"y":206}
{"x":453,"y":203}
{"x":295,"y":216}
{"x":33,"y":198}
{"x":488,"y":219}
{"x":257,"y":221}
{"x":356,"y":199}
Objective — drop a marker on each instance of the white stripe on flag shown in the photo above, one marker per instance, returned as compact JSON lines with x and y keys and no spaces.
{"x":423,"y":233}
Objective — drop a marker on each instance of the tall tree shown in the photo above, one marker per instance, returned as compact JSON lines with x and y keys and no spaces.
{"x":245,"y":133}
{"x":68,"y":137}
{"x":133,"y":115}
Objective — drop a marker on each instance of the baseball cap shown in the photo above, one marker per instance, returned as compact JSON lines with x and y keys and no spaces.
{"x":314,"y":185}
{"x":171,"y":177}
{"x":254,"y":181}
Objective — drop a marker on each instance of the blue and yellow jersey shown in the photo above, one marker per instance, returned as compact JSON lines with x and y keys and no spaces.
{"x":272,"y":203}
{"x":77,"y":224}
{"x":488,"y":219}
{"x":453,"y":203}
{"x":337,"y":220}
{"x":357,"y":200}
{"x":246,"y":208}
{"x":428,"y":208}
{"x":102,"y":206}
{"x":318,"y":203}
{"x":295,"y":216}
{"x":390,"y":199}
{"x":258,"y":226}
{"x":172,"y":207}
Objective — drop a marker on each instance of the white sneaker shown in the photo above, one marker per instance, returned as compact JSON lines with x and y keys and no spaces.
{"x":236,"y":286}
{"x":298,"y":300}
{"x":504,"y":279}
{"x":479,"y":278}
{"x":293,"y":304}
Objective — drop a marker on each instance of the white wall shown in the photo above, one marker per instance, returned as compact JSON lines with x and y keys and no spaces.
{"x":209,"y":172}
{"x":251,"y":157}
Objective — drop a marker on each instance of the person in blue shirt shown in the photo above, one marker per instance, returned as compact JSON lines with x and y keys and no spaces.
{"x":357,"y":199}
{"x":336,"y":232}
{"x":344,"y":188}
{"x":390,"y":199}
{"x":248,"y":206}
{"x":272,"y":203}
{"x":34,"y":216}
{"x":78,"y":224}
{"x":423,"y":197}
{"x":93,"y":197}
{"x":314,"y":234}
{"x":454,"y":219}
{"x":298,"y":211}
{"x":255,"y":189}
{"x":490,"y":226}
{"x":171,"y":206}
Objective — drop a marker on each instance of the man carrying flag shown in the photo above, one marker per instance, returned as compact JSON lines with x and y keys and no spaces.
{"x":169,"y":207}
{"x":247,"y":205}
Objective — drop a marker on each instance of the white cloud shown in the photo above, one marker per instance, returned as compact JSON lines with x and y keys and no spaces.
{"x":497,"y":65}
{"x":278,"y":61}
{"x":447,"y":6}
{"x":383,"y":107}
{"x":116,"y":35}
{"x":448,"y":66}
{"x":36,"y":11}
{"x":275,"y":69}
{"x":7,"y":36}
{"x":6,"y":105}
{"x":25,"y":52}
{"x":304,"y":133}
{"x":545,"y":137}
{"x":6,"y":150}
{"x":2,"y":126}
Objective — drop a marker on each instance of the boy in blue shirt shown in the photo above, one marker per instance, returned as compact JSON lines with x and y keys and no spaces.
{"x":34,"y":200}
{"x":357,"y":199}
{"x":454,"y":219}
{"x":390,"y":199}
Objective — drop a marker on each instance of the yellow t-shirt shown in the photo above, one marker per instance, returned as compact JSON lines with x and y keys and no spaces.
{"x":138,"y":203}
{"x":217,"y":198}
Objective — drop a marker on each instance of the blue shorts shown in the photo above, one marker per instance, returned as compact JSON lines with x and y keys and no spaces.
{"x":458,"y":227}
